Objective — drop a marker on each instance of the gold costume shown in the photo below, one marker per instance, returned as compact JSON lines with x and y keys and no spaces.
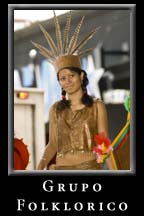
{"x":72,"y":134}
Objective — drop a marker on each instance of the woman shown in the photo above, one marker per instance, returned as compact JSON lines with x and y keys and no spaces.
{"x":75,"y":120}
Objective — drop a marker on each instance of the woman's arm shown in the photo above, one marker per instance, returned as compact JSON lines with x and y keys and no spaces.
{"x":103,"y":127}
{"x":48,"y":154}
{"x":51,"y":147}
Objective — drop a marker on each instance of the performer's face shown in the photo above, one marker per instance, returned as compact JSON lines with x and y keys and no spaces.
{"x":70,"y":81}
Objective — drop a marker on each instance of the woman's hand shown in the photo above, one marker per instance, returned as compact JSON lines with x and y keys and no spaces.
{"x":109,"y":164}
{"x":41,"y":165}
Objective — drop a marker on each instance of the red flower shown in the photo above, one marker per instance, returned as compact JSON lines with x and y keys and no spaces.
{"x":101,"y":138}
{"x":97,"y":149}
{"x":102,"y":148}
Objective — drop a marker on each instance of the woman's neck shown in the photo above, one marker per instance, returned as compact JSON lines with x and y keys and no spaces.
{"x":75,"y":100}
{"x":76,"y":97}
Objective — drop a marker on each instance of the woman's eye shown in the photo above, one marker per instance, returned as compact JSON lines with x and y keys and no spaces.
{"x":72,"y":75}
{"x":62,"y":78}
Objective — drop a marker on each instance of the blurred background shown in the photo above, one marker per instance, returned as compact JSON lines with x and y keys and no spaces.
{"x":35,"y":83}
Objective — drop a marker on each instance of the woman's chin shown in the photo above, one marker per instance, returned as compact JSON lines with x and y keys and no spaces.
{"x":70,"y":90}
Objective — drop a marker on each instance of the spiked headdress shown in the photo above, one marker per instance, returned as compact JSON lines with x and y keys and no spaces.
{"x":64,"y":54}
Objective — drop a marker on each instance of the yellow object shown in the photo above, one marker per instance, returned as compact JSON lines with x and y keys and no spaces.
{"x":121,"y":147}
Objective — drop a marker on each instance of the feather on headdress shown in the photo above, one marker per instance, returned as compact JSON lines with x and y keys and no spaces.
{"x":64,"y":54}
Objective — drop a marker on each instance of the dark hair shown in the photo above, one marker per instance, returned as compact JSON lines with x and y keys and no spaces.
{"x":86,"y":99}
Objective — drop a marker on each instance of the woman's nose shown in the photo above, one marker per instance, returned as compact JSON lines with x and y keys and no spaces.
{"x":68,"y":80}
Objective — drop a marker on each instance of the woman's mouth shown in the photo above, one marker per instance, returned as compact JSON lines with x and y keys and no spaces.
{"x":69,"y":87}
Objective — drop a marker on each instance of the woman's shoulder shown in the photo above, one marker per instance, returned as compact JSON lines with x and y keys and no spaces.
{"x":99,"y":105}
{"x":54,"y":106}
{"x":98,"y":102}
